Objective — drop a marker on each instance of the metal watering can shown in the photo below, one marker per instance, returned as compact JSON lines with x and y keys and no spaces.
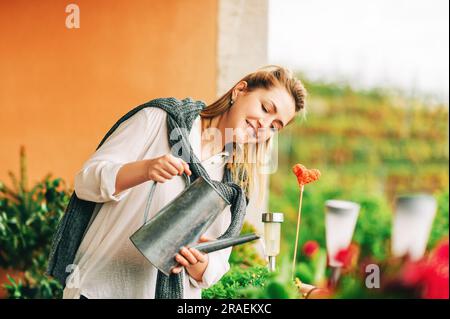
{"x":181,"y":223}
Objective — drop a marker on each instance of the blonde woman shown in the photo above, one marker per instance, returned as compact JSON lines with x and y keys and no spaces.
{"x":98,"y":260}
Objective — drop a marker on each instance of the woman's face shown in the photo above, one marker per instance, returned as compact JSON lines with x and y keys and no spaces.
{"x":255,"y":116}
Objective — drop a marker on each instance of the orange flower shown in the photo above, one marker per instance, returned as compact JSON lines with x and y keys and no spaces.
{"x":304,"y":175}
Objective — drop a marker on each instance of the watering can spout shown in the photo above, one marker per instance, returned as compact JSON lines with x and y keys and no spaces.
{"x":225,"y":243}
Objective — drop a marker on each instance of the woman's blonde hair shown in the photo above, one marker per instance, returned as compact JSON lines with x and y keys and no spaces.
{"x":245,"y":162}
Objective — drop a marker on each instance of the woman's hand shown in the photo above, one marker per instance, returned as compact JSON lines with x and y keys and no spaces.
{"x":193,"y":260}
{"x":165,"y":167}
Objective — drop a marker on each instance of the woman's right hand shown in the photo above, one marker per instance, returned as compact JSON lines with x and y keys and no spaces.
{"x":163,"y":168}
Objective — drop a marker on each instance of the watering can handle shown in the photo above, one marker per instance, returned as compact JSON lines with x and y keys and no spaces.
{"x":150,"y":196}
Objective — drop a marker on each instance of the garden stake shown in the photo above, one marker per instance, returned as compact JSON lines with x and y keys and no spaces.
{"x":297,"y":231}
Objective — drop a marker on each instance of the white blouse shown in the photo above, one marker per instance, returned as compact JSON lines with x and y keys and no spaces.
{"x":107,"y":265}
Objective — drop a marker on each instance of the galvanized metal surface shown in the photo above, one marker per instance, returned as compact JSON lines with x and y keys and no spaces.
{"x":272,"y":217}
{"x":180,"y":223}
{"x":219,"y":244}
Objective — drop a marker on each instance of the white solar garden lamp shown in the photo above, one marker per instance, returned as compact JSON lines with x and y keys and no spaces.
{"x":414,"y":215}
{"x":340,"y":222}
{"x":272,"y":233}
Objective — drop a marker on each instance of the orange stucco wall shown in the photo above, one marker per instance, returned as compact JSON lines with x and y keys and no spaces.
{"x":62,"y":89}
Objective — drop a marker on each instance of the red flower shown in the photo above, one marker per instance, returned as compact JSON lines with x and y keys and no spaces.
{"x":431,"y":273}
{"x":440,"y":253}
{"x":304,"y":175}
{"x":348,"y":256}
{"x":437,"y":285}
{"x":414,"y":272}
{"x":310,"y":248}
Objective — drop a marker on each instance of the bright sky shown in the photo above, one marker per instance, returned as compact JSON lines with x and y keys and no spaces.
{"x":400,"y":43}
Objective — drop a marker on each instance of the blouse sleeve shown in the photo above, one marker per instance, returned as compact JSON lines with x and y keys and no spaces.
{"x":218,"y":264}
{"x":97,"y":179}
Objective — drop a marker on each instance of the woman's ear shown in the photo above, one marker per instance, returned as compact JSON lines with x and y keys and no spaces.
{"x":240,"y":87}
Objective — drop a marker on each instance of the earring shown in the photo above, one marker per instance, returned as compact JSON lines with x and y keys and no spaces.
{"x":231,"y":102}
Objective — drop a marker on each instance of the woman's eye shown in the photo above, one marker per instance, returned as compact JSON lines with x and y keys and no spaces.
{"x":264,"y":109}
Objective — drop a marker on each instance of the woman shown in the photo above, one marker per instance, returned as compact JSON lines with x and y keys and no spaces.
{"x":138,"y":152}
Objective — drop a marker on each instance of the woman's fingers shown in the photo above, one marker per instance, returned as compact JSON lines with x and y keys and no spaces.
{"x":204,"y":238}
{"x":159,"y":179}
{"x":180,"y":165}
{"x":198,"y":255}
{"x":181,"y":260}
{"x":166,"y":167}
{"x":165,"y":174}
{"x":186,"y":168}
{"x":170,"y":168}
{"x":176,"y":165}
{"x":177,"y":270}
{"x":187,"y":258}
{"x":188,"y":255}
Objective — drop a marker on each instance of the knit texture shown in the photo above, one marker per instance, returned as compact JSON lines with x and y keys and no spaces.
{"x":73,"y":225}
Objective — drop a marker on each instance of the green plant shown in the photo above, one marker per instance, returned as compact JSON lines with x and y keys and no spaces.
{"x":236,"y":278}
{"x":440,"y":224}
{"x":247,"y":268}
{"x":313,"y":269}
{"x":275,"y":285}
{"x":34,"y":285}
{"x":246,"y":254}
{"x":28,"y":219}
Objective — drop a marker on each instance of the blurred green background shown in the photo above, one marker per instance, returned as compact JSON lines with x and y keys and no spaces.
{"x":370,"y":146}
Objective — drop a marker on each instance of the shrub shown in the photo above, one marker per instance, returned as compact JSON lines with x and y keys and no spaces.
{"x":28,"y":219}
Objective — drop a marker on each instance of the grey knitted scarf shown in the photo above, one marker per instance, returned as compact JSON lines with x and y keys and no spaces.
{"x":78,"y":214}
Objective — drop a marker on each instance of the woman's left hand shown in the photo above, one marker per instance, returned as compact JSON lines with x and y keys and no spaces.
{"x":193,"y":260}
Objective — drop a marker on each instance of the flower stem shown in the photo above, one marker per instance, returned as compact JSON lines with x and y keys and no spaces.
{"x":298,"y":228}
